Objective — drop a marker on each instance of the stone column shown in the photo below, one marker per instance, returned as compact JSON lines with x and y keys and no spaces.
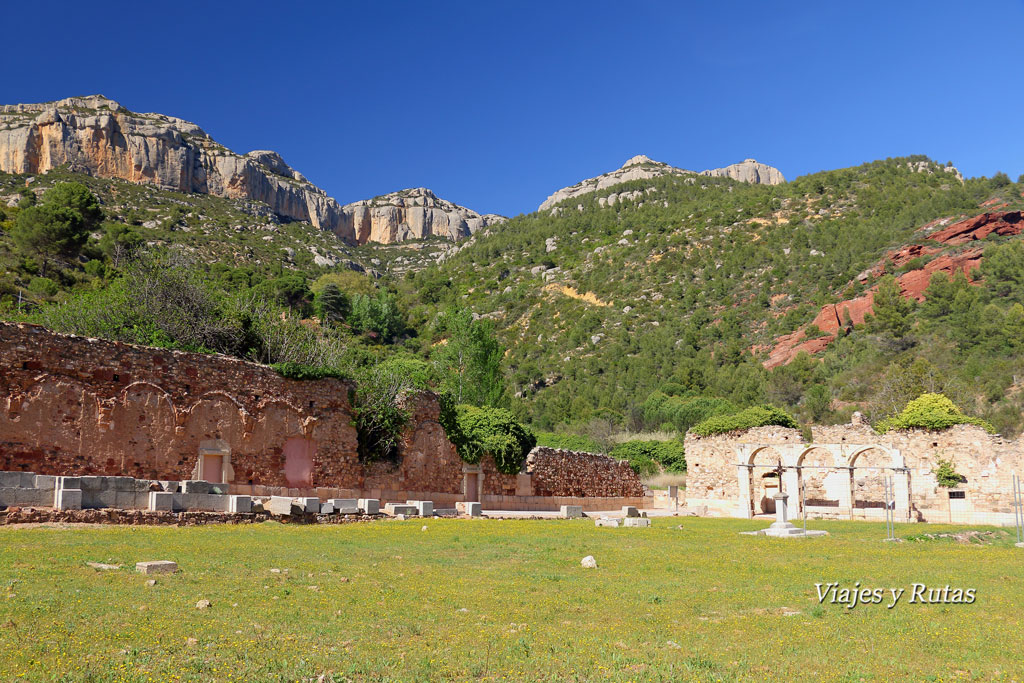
{"x":744,"y":504}
{"x":846,"y":493}
{"x":781,"y":511}
{"x":901,"y":493}
{"x":791,"y":486}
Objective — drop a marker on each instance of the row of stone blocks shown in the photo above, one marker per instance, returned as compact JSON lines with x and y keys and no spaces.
{"x":286,"y":505}
{"x":127,"y":493}
{"x":165,"y":501}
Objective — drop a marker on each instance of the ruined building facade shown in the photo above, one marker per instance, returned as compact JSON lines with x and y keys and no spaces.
{"x":76,"y":406}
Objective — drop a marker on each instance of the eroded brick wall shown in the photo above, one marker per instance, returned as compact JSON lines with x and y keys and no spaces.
{"x":558,"y":472}
{"x":70,"y":405}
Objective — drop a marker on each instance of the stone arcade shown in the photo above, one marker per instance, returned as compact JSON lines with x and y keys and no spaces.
{"x":841,"y":473}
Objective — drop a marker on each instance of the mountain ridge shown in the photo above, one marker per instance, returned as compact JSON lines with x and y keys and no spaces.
{"x":97,"y":135}
{"x":642,"y":167}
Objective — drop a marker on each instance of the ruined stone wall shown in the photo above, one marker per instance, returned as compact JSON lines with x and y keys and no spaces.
{"x":556,"y":472}
{"x":986,"y":461}
{"x":70,"y":405}
{"x":711,"y":460}
{"x":76,"y":406}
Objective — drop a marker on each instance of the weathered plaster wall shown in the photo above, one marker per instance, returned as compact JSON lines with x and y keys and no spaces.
{"x":70,"y":405}
{"x":76,"y":406}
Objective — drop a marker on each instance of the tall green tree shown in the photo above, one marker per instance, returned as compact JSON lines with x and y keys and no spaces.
{"x":891,"y":309}
{"x":470,"y":360}
{"x":58,"y":227}
{"x":331,"y":304}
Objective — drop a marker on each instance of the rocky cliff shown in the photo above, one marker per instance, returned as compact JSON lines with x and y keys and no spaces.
{"x":411,"y":214}
{"x":748,"y":171}
{"x":96,"y":135}
{"x":642,"y":167}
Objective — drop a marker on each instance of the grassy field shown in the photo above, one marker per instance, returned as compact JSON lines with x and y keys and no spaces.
{"x":500,"y":600}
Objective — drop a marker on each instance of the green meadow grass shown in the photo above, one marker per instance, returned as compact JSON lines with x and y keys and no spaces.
{"x":688,"y":599}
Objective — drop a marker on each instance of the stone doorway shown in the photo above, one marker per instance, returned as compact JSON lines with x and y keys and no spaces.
{"x":214,"y":463}
{"x":472,"y":480}
{"x":298,"y":461}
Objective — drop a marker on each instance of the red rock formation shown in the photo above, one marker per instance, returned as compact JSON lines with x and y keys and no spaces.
{"x":912,"y":284}
{"x":981,"y":226}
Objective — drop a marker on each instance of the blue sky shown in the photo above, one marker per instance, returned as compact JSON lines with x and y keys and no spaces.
{"x":495,"y":105}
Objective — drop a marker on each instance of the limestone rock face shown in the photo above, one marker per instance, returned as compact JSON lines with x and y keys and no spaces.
{"x":411,"y":214}
{"x":748,"y":171}
{"x":638,"y":168}
{"x":642,"y":167}
{"x":96,"y":135}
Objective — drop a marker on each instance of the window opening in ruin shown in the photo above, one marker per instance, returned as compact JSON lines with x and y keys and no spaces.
{"x":957,"y":494}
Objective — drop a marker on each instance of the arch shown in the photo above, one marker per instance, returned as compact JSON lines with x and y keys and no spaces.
{"x":869,"y":467}
{"x":216,"y":415}
{"x":895,"y":458}
{"x":55,"y":412}
{"x":821,"y":477}
{"x":141,"y":430}
{"x":762,"y":481}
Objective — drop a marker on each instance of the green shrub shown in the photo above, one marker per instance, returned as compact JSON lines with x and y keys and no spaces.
{"x":569,"y":442}
{"x":946,"y":475}
{"x":651,"y":457}
{"x":42,"y":285}
{"x":489,"y":431}
{"x":757,"y":416}
{"x":930,"y":411}
{"x":302,"y":371}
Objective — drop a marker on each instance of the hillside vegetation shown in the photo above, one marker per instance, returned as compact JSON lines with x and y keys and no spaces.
{"x":651,"y":305}
{"x":682,"y":288}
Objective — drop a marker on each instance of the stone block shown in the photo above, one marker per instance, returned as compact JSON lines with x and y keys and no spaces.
{"x":636,"y":522}
{"x":156,"y":567}
{"x":99,"y":498}
{"x":310,"y":504}
{"x":283,"y":505}
{"x":91,"y":483}
{"x":171,"y":486}
{"x":161,"y":501}
{"x":15,"y":480}
{"x":424,"y":508}
{"x":68,"y":483}
{"x":196,"y":486}
{"x":606,"y":522}
{"x":345,"y":506}
{"x":395,"y":509}
{"x":239,"y":504}
{"x":45,"y":482}
{"x":571,"y":511}
{"x":8,"y":497}
{"x":130,"y":500}
{"x":630,"y":511}
{"x":68,"y":499}
{"x":211,"y":502}
{"x":471,"y":509}
{"x":369,"y":506}
{"x":120,"y":483}
{"x":327,"y":508}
